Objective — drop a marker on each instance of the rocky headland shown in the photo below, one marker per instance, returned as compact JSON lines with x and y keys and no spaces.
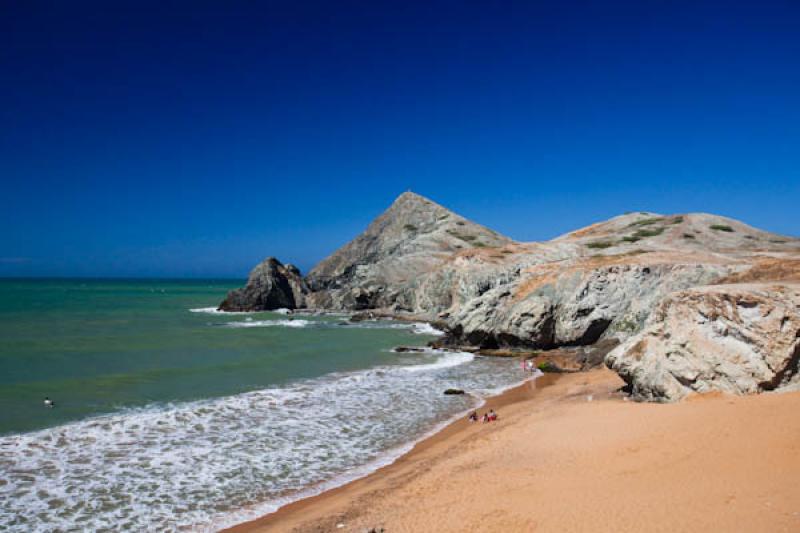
{"x":693,"y":302}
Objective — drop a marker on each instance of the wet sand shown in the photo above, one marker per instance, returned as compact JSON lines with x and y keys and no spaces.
{"x":569,"y":454}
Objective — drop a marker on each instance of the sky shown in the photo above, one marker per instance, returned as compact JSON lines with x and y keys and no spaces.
{"x":193,"y":139}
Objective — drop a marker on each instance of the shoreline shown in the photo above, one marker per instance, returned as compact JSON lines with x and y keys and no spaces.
{"x":289,"y":514}
{"x":570,"y":454}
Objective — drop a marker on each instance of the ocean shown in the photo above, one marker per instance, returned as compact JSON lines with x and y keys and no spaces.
{"x":170,"y":415}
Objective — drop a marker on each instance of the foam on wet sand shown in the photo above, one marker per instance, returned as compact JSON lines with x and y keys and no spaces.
{"x":559,"y":462}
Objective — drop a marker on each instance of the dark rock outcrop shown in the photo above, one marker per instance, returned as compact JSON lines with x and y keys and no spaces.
{"x":271,"y":285}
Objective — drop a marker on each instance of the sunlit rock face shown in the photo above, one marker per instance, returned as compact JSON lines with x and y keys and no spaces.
{"x":736,"y":338}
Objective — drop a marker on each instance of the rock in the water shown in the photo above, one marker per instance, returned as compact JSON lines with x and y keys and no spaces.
{"x":271,"y":285}
{"x":409,"y":349}
{"x":451,"y":392}
{"x":738,"y":338}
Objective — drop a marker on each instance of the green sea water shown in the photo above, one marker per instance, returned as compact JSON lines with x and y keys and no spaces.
{"x":97,"y":346}
{"x":171,"y":416}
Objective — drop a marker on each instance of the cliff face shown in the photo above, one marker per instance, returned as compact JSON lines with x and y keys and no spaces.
{"x":740,"y":338}
{"x":598,"y":283}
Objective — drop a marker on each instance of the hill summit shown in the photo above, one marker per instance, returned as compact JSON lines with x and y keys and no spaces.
{"x":381,"y":266}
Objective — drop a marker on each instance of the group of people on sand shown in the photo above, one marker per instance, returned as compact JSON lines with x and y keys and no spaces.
{"x":491,"y":416}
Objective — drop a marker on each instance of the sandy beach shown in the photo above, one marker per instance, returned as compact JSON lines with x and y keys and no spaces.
{"x":570,"y":454}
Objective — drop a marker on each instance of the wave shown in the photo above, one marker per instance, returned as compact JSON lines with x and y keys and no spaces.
{"x":215,"y":311}
{"x":299,"y":323}
{"x":423,"y":328}
{"x":448,"y":359}
{"x":419,"y":328}
{"x":212,"y":463}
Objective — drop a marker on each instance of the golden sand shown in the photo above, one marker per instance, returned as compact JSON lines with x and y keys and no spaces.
{"x":569,"y":454}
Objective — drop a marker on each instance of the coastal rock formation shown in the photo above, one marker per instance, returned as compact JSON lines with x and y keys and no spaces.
{"x":596,"y":283}
{"x":271,"y":285}
{"x":739,"y":338}
{"x":599,"y":284}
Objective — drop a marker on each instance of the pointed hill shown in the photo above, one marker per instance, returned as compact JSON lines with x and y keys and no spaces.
{"x":380,"y":267}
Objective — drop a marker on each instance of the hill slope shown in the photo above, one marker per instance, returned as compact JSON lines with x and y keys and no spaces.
{"x":381,"y":266}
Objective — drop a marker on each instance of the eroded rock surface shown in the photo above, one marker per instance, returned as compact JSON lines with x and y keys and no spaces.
{"x":738,"y":338}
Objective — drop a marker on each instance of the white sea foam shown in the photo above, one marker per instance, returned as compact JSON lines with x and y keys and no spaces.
{"x":423,"y":328}
{"x":420,"y":328}
{"x":447,"y":360}
{"x":207,"y":464}
{"x":270,"y":323}
{"x":215,"y":311}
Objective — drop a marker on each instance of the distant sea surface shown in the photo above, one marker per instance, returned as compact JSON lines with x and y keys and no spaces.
{"x":169,"y":415}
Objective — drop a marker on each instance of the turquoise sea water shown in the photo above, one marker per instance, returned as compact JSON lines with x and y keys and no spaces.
{"x":94,"y":346}
{"x":170,"y":415}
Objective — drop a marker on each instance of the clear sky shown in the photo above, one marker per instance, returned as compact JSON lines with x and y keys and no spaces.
{"x":195,"y":138}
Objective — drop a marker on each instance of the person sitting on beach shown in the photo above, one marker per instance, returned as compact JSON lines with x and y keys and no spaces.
{"x":473,"y":416}
{"x":492,"y":415}
{"x":485,"y":417}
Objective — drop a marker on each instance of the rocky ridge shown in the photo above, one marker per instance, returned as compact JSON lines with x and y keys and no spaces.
{"x":599,"y":283}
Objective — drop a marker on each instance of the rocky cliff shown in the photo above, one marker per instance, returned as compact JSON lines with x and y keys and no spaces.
{"x":599,"y":283}
{"x":740,"y":338}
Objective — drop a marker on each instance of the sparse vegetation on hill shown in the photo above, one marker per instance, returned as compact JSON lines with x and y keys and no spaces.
{"x":643,"y":233}
{"x":646,"y":221}
{"x":599,"y":245}
{"x":721,"y":227}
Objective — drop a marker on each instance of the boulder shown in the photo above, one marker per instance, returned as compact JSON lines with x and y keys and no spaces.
{"x":271,"y":285}
{"x":737,"y":338}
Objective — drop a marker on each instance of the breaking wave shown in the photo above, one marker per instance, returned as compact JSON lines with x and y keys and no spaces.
{"x":216,"y":462}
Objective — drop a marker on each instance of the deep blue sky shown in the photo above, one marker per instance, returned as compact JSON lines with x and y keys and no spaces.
{"x":192,"y":139}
